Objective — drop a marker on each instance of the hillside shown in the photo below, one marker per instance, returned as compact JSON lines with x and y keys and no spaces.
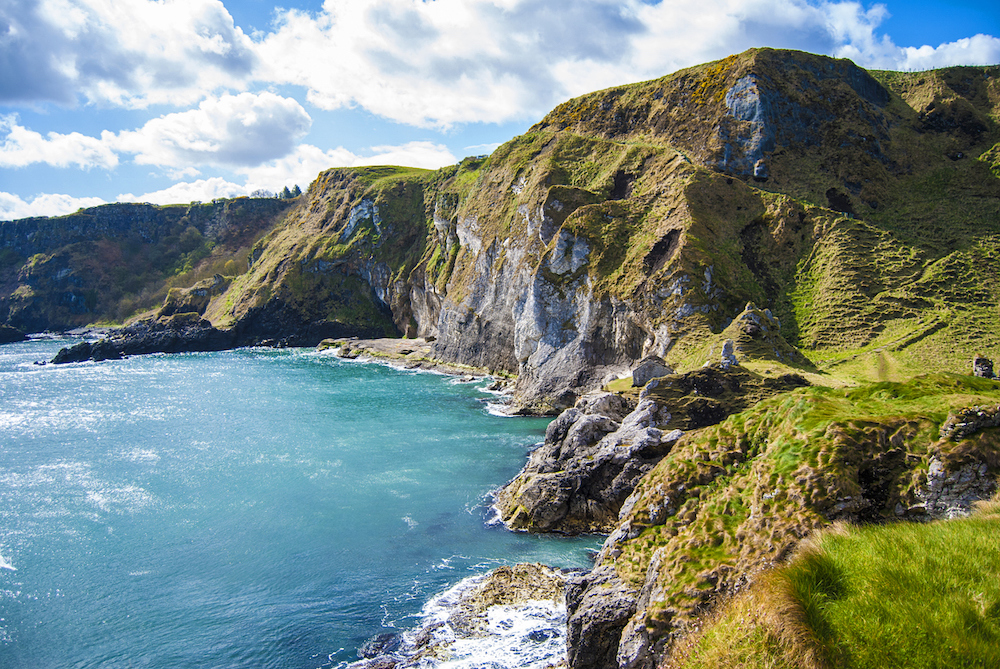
{"x":910,"y":595}
{"x":104,"y":264}
{"x":860,"y":208}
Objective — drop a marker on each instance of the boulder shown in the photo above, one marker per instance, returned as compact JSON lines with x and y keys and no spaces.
{"x":599,"y":605}
{"x":650,"y":367}
{"x":9,"y":335}
{"x":982,"y":367}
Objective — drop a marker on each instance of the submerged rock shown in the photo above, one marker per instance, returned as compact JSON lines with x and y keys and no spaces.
{"x":512,"y":617}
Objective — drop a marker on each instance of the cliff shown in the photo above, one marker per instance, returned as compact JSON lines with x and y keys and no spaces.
{"x":106,"y":263}
{"x":859,"y":208}
{"x":791,"y":220}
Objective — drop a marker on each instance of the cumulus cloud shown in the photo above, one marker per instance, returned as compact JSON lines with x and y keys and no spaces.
{"x":202,"y":190}
{"x":444,"y":62}
{"x":13,"y":207}
{"x":128,"y":52}
{"x":231,"y":130}
{"x":242,"y":130}
{"x":430,"y":64}
{"x":298,"y":168}
{"x":22,"y":147}
{"x":976,"y":50}
{"x":307,"y":161}
{"x":456,"y":61}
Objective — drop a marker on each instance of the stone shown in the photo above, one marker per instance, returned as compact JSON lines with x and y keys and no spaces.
{"x":599,"y":605}
{"x":728,"y":354}
{"x":9,"y":335}
{"x":650,"y":367}
{"x":380,"y":644}
{"x":982,"y":367}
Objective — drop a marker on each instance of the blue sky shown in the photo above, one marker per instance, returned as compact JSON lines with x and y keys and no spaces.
{"x":180,"y":100}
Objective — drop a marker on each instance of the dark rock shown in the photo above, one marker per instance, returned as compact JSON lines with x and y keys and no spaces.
{"x":589,"y":464}
{"x":982,"y":367}
{"x":380,"y":644}
{"x":599,"y":605}
{"x":76,"y":353}
{"x":9,"y":335}
{"x":179,"y":333}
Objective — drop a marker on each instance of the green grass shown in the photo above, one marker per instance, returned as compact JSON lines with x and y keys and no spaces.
{"x":743,"y":493}
{"x":904,"y":595}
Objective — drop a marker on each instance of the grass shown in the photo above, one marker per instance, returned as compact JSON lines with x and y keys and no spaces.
{"x":919,"y":596}
{"x":741,"y":494}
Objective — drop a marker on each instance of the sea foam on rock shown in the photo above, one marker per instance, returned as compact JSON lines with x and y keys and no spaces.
{"x":513,"y":617}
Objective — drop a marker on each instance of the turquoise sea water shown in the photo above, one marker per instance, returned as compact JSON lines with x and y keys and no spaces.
{"x":250,"y":508}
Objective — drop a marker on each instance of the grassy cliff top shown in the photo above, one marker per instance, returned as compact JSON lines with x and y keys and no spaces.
{"x":903,"y":595}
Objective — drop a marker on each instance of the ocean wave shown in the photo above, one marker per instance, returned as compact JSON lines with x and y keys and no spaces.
{"x":482,"y":621}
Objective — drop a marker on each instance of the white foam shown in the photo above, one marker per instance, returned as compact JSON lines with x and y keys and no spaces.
{"x":527,"y":636}
{"x":6,"y":565}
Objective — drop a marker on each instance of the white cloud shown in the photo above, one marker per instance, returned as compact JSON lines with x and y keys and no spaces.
{"x":13,"y":207}
{"x":127,"y":52}
{"x":431,"y":64}
{"x":444,"y":62}
{"x":308,"y":161}
{"x":457,"y":61}
{"x":298,"y":168}
{"x":22,"y":147}
{"x":976,"y":50}
{"x":232,"y":130}
{"x":202,"y":190}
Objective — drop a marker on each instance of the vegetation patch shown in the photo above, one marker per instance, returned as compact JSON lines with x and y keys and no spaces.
{"x":898,"y":595}
{"x":735,"y":497}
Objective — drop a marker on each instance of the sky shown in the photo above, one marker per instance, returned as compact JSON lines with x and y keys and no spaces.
{"x":174,"y":101}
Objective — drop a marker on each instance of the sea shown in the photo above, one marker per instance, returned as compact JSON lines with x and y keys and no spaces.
{"x":251,"y":508}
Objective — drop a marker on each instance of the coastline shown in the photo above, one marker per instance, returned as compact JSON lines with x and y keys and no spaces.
{"x":407,"y":354}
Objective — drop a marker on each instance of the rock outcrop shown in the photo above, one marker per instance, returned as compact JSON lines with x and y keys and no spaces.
{"x":982,"y":367}
{"x":734,"y":498}
{"x":595,"y":453}
{"x":9,"y":335}
{"x":480,"y":609}
{"x":179,"y":333}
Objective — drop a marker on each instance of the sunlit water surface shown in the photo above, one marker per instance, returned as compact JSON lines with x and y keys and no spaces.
{"x":250,"y":508}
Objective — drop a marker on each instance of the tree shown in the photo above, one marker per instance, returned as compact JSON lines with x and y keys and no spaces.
{"x":286,"y":194}
{"x":296,"y":191}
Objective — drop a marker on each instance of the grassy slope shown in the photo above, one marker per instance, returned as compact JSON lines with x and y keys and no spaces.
{"x":907,"y":283}
{"x":733,"y":498}
{"x":903,"y":595}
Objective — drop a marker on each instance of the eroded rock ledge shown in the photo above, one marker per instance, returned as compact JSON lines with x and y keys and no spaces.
{"x":595,"y":453}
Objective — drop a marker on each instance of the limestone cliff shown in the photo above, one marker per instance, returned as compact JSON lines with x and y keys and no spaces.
{"x":859,"y":208}
{"x":638,"y":220}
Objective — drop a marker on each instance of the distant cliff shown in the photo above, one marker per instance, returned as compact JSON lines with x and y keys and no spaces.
{"x":106,"y":263}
